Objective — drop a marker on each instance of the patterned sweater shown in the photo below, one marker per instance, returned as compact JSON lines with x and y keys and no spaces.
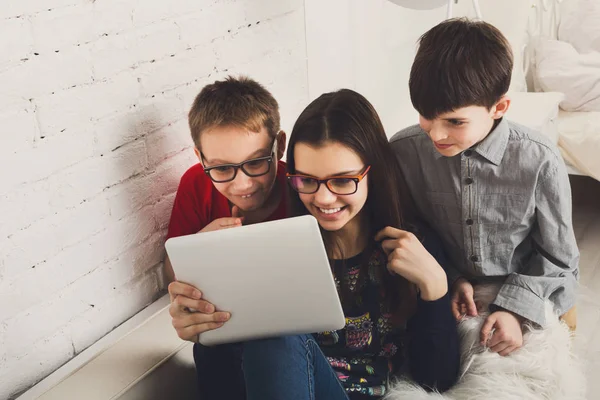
{"x":369,"y":351}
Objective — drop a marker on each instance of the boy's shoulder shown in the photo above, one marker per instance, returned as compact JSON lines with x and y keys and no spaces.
{"x":410,"y":133}
{"x":195,"y":176}
{"x":409,"y":141}
{"x":530,"y":139}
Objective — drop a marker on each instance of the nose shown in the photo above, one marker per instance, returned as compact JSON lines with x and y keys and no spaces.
{"x":324,"y":196}
{"x":437,"y":133}
{"x":242,"y":181}
{"x":434,"y":129}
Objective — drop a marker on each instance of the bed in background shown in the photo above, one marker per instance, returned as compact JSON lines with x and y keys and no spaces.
{"x":562,"y":54}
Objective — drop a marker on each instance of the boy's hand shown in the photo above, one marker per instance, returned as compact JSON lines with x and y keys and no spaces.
{"x":507,"y":336}
{"x":190,"y":314}
{"x":407,"y":257}
{"x":462,"y":299}
{"x":226,"y":222}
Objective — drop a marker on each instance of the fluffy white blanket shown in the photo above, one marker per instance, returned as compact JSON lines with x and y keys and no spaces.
{"x":544,"y":368}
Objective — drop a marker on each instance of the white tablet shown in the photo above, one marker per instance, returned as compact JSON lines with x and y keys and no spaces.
{"x":273,"y":277}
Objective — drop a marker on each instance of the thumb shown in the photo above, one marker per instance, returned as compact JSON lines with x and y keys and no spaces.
{"x":487,"y":328}
{"x":235,"y":212}
{"x":471,"y":307}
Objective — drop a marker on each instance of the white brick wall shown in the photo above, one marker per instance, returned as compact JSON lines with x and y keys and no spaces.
{"x":93,"y":142}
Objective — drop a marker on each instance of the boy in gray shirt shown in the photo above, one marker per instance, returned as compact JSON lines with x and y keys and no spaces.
{"x":496,"y":192}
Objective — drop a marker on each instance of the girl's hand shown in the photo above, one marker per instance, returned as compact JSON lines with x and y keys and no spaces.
{"x":191,"y":315}
{"x":407,"y":257}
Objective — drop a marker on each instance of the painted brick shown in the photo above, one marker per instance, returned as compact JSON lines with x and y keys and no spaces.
{"x":160,"y":11}
{"x":45,"y":238}
{"x":253,"y":42}
{"x":55,"y":274}
{"x":150,"y":115}
{"x":265,"y":10}
{"x":24,"y":205}
{"x":18,"y":130}
{"x":37,"y":323}
{"x":22,"y":8}
{"x":144,"y":190}
{"x":172,"y":72}
{"x":113,"y":16}
{"x":158,"y":41}
{"x":82,"y":295}
{"x":75,"y":108}
{"x":68,"y":188}
{"x":62,"y":28}
{"x":198,"y":29}
{"x":162,"y":210}
{"x":43,"y":357}
{"x":14,"y":101}
{"x":116,"y":309}
{"x":113,"y":54}
{"x":14,"y":50}
{"x":131,"y":230}
{"x":47,"y":157}
{"x":92,"y":176}
{"x":168,"y":141}
{"x":47,"y":73}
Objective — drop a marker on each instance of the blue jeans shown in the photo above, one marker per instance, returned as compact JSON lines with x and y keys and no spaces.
{"x":291,"y":368}
{"x":219,"y":371}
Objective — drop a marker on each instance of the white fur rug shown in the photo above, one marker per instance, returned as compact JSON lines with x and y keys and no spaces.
{"x":544,"y":368}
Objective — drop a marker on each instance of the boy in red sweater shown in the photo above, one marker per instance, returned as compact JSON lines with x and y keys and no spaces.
{"x":240,"y":179}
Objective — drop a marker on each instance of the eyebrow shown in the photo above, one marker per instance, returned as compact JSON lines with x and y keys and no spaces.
{"x":345,"y":173}
{"x":455,"y":119}
{"x":256,"y":154}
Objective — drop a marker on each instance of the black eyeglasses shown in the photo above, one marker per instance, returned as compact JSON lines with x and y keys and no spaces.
{"x":340,"y":185}
{"x":253,"y":168}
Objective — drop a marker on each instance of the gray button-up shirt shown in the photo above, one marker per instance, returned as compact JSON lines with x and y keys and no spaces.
{"x":503,"y":211}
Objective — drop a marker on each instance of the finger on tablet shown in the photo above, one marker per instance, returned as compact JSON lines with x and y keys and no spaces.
{"x":191,"y":332}
{"x":192,"y":305}
{"x":177,"y":288}
{"x":230,"y":222}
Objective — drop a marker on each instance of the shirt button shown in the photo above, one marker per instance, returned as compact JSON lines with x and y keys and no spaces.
{"x":474,"y":258}
{"x":468,"y":153}
{"x":468,"y":181}
{"x":469,"y":221}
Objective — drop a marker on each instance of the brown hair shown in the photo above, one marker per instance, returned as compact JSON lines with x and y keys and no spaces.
{"x":234,"y":101}
{"x":460,"y":63}
{"x":346,"y":117}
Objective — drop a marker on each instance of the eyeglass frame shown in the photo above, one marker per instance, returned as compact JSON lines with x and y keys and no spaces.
{"x":355,"y":178}
{"x":239,"y":166}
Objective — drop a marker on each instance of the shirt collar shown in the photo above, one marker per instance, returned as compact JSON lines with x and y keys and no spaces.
{"x":493,"y":146}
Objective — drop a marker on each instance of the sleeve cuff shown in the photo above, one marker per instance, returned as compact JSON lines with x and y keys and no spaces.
{"x":452,"y":275}
{"x":520,"y":301}
{"x":434,"y":313}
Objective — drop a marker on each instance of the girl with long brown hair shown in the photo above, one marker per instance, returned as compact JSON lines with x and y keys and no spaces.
{"x":387,"y":267}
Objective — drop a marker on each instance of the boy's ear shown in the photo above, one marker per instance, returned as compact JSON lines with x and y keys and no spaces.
{"x":281,"y":142}
{"x":198,"y":154}
{"x":501,"y":107}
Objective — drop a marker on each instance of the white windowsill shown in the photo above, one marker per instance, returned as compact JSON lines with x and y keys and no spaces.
{"x":116,"y":362}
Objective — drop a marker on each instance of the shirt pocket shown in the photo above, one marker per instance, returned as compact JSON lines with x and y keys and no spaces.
{"x":506,"y":209}
{"x":444,"y":207}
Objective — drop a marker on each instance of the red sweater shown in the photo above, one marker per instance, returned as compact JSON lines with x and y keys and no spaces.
{"x":198,"y":202}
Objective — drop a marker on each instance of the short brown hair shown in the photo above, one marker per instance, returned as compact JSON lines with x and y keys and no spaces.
{"x":234,"y":101}
{"x":460,"y":63}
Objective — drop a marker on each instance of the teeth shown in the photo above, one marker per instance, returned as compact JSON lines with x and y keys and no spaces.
{"x":329,"y":210}
{"x":247,"y":196}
